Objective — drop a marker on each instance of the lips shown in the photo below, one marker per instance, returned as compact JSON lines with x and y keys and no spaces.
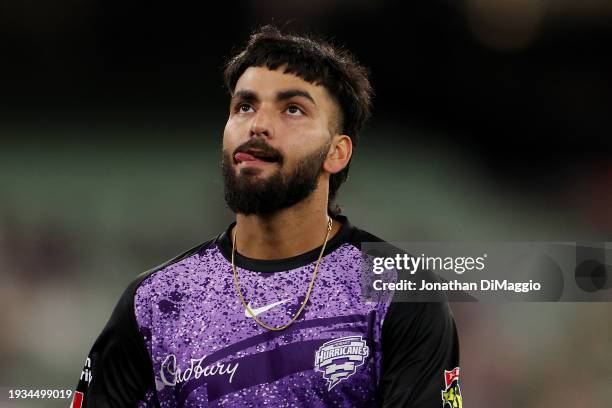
{"x":252,"y":157}
{"x":240,"y":157}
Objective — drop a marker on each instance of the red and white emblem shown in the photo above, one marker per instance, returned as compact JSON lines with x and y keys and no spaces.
{"x":449,"y":376}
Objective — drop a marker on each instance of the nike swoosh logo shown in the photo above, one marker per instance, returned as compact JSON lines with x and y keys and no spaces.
{"x":263,"y":309}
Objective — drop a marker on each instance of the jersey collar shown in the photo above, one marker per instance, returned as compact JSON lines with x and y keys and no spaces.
{"x":224,"y":243}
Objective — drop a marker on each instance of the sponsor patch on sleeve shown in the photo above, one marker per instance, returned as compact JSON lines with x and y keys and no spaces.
{"x":86,"y":373}
{"x":78,"y":398}
{"x":451,"y":395}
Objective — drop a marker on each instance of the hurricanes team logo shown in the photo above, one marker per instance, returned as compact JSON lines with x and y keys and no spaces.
{"x":338,"y":359}
{"x":451,"y":395}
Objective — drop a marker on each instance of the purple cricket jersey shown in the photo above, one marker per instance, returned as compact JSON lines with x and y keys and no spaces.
{"x":181,"y":337}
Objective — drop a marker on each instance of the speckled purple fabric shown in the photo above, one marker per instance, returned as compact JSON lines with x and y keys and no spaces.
{"x":207,"y":353}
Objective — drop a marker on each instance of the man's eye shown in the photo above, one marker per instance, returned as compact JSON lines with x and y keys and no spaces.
{"x":244,"y":108}
{"x":295,"y":110}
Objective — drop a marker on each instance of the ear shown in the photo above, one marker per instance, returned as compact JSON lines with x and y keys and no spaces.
{"x":339,"y":154}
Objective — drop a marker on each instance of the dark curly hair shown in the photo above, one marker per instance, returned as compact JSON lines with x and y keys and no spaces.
{"x":320,"y":63}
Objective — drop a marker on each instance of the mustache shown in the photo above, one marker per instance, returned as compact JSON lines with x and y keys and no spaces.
{"x":261,"y":150}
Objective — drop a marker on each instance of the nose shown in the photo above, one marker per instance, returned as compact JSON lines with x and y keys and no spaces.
{"x":261,"y":125}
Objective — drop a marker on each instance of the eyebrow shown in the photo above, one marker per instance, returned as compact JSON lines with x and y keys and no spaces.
{"x":292,"y":93}
{"x":245,"y":95}
{"x":250,"y":96}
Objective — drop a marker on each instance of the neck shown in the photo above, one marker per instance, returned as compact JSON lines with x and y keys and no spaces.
{"x":286,"y":233}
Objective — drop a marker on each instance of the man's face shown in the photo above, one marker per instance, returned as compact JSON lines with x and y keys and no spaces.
{"x":275,"y":141}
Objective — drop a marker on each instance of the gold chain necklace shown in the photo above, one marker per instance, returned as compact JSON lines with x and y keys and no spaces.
{"x":314,"y":276}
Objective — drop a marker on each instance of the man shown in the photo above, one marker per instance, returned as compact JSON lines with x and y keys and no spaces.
{"x":270,"y":312}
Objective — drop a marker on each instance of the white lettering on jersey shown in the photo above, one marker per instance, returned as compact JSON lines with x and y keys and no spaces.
{"x":339,"y":359}
{"x":195,"y":370}
{"x":86,"y":373}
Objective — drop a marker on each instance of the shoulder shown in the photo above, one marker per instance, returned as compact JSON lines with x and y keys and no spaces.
{"x":368,"y":242}
{"x":357,"y":236}
{"x":418,"y":317}
{"x":376,"y":249}
{"x":171,"y":267}
{"x":166,"y":273}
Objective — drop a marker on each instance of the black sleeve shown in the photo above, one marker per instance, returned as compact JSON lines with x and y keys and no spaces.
{"x":420,"y":357}
{"x":118,"y":370}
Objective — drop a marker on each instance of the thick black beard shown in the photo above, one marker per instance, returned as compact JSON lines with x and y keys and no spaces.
{"x":248,"y":195}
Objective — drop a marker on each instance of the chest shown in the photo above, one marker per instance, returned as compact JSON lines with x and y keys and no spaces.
{"x":207,"y":350}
